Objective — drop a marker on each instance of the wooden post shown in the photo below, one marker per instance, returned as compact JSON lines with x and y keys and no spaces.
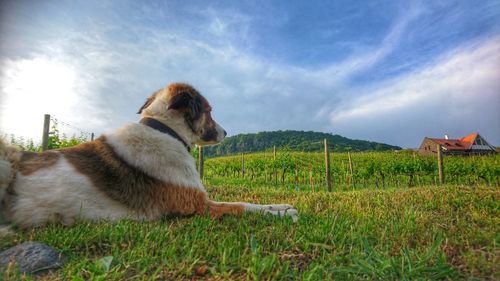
{"x":440,"y":164}
{"x":45,"y":137}
{"x":201,"y":161}
{"x":243,"y":165}
{"x":351,"y":169}
{"x":327,"y":166}
{"x":92,"y":136}
{"x":275,"y":171}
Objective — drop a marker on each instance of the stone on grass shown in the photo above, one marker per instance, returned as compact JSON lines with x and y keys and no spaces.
{"x":31,"y":257}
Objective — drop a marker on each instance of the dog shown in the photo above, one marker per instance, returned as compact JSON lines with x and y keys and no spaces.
{"x":142,"y":171}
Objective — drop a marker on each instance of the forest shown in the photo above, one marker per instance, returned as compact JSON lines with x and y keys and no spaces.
{"x":293,"y":140}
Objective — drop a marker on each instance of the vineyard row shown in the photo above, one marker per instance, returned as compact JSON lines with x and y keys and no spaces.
{"x":379,"y":169}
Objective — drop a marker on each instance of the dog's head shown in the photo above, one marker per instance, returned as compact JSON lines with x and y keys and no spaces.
{"x":185,"y":110}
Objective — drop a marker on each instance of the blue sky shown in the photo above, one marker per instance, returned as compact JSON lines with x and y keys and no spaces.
{"x":388,"y":71}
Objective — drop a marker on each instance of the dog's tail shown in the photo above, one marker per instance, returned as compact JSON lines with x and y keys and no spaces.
{"x":9,"y":162}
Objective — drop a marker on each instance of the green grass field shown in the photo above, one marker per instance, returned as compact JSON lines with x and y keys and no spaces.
{"x":423,"y":233}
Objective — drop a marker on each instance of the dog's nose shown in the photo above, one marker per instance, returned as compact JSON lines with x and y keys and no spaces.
{"x":225,"y":133}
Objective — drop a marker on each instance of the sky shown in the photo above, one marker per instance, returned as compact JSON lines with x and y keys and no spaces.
{"x":386,"y":71}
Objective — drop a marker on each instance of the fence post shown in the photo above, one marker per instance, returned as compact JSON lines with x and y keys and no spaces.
{"x":440,"y":164}
{"x":275,"y":172}
{"x":327,"y":166}
{"x":45,"y":137}
{"x":351,"y":169}
{"x":201,"y":161}
{"x":92,"y":137}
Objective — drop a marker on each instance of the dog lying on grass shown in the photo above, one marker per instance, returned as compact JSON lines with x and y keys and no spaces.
{"x":142,"y":171}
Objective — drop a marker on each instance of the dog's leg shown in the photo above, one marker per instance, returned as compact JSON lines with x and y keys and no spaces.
{"x":218,"y":209}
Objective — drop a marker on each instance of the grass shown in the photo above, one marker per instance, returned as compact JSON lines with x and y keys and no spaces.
{"x":423,"y":233}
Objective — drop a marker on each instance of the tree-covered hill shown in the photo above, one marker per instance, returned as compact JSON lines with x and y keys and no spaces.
{"x":294,"y":140}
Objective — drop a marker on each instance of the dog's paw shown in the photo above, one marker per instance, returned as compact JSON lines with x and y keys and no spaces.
{"x":282,"y":210}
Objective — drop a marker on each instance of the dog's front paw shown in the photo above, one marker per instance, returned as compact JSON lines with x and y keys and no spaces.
{"x":282,"y":210}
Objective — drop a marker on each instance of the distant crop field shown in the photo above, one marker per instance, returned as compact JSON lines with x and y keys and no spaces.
{"x":366,"y":170}
{"x":423,"y":233}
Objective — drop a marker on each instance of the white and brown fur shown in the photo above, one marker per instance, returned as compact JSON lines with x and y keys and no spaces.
{"x":135,"y":172}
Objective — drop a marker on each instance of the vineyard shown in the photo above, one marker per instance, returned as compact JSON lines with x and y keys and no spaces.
{"x":306,"y":170}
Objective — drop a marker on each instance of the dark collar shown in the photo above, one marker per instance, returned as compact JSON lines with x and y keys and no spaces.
{"x":157,"y":125}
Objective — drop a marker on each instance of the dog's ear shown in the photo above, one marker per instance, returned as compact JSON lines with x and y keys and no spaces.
{"x":188,"y":102}
{"x":147,"y":103}
{"x":181,"y":101}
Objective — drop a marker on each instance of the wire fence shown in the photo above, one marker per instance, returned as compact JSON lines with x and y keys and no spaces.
{"x":56,"y":133}
{"x":64,"y":127}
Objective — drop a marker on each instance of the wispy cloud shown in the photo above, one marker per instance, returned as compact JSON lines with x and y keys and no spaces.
{"x":366,"y":57}
{"x":459,"y":91}
{"x":123,"y":54}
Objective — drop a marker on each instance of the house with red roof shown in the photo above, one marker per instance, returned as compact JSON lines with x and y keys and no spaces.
{"x":468,"y":145}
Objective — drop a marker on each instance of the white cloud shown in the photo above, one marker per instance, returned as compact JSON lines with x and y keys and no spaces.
{"x":115,"y":62}
{"x":459,"y":92}
{"x":33,"y":87}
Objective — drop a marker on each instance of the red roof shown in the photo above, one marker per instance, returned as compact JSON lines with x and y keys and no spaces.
{"x":470,"y":138}
{"x":464,"y":143}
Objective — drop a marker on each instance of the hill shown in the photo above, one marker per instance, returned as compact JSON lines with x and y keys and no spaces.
{"x":294,"y":140}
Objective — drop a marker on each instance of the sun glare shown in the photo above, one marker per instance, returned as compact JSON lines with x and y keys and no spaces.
{"x":32,"y":88}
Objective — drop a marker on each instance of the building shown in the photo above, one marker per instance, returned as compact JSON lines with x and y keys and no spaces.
{"x":468,"y":145}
